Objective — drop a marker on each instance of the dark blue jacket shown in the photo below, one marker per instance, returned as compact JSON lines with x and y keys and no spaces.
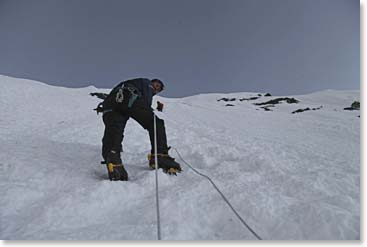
{"x":143,"y":85}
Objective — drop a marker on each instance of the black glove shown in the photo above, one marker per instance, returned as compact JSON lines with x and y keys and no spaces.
{"x":159,"y":106}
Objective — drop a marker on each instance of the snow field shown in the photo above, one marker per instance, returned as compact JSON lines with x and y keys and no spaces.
{"x":290,"y":176}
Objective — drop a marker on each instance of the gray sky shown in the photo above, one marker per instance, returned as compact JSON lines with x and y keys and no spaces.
{"x":194,"y":46}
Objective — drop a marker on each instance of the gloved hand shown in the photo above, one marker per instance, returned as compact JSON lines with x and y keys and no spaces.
{"x":159,"y":106}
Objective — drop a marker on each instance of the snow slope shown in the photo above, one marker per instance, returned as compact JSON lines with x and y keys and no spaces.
{"x":290,"y":176}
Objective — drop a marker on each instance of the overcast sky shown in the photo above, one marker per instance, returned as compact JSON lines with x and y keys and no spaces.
{"x":195,"y":46}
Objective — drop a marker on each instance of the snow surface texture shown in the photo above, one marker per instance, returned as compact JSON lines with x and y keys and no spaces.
{"x":290,"y":176}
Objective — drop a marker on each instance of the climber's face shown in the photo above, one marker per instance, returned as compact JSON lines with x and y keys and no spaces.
{"x":157,"y":87}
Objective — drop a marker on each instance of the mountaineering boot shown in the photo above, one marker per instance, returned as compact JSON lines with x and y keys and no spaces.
{"x":166,"y":162}
{"x":116,"y":170}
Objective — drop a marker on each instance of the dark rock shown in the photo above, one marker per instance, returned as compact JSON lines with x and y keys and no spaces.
{"x":291,"y":100}
{"x":318,"y":108}
{"x":267,"y":95}
{"x":355,"y":106}
{"x":266,"y":108}
{"x":226,"y":99}
{"x":229,"y":105}
{"x":278,"y":100}
{"x":247,"y":99}
{"x":306,"y":109}
{"x":301,"y":110}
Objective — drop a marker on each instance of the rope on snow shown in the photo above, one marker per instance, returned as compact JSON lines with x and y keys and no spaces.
{"x":223,"y":197}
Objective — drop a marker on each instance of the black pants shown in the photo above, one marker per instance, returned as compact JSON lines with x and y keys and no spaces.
{"x":115,"y":122}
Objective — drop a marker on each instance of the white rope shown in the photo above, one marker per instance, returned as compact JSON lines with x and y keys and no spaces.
{"x":222,"y":195}
{"x":156,"y":179}
{"x":203,"y":175}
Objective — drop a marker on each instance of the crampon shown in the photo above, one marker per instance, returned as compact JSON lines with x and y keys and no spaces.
{"x":166,"y":163}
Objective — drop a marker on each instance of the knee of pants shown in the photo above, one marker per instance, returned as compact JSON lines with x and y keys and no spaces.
{"x":150,"y":126}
